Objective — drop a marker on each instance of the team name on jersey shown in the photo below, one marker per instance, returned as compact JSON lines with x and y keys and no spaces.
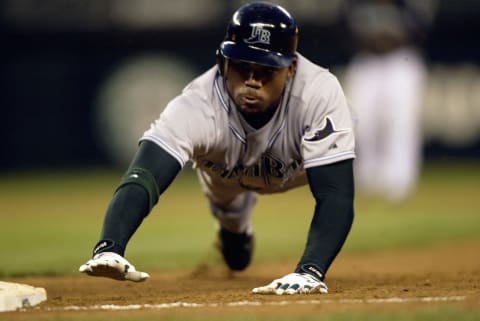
{"x":267,"y":168}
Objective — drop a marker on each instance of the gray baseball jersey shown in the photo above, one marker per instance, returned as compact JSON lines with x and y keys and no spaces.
{"x":311,"y":127}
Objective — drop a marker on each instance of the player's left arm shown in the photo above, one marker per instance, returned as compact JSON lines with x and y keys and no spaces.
{"x":328,"y":152}
{"x":332,"y":187}
{"x":331,"y":183}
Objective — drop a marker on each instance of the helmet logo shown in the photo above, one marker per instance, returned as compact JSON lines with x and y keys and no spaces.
{"x":258,"y":35}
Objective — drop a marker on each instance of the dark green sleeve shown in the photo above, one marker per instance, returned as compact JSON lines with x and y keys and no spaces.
{"x":131,"y":202}
{"x":332,"y":187}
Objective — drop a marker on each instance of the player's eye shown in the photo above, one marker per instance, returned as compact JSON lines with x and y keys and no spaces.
{"x":268,"y":72}
{"x":262,"y":73}
{"x":243,"y":68}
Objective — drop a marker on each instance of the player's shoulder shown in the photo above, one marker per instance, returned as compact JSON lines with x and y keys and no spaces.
{"x":195,"y":101}
{"x":203,"y":84}
{"x":198,"y":93}
{"x":310,"y":73}
{"x":313,"y":80}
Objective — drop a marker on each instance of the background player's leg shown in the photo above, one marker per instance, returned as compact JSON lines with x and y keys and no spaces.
{"x":364,"y":81}
{"x":404,"y":91}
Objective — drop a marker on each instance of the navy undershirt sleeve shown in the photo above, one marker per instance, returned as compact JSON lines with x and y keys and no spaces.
{"x":332,"y":187}
{"x":130,"y":203}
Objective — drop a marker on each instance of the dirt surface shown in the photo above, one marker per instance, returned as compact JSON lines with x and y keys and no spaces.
{"x":447,"y":274}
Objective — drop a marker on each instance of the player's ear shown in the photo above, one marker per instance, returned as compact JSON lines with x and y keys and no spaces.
{"x":220,"y":60}
{"x":226,"y":63}
{"x":292,"y":68}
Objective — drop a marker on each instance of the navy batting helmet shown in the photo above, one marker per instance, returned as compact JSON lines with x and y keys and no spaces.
{"x":261,"y":33}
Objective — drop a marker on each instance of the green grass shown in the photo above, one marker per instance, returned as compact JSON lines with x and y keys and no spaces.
{"x":50,"y":220}
{"x":434,"y":313}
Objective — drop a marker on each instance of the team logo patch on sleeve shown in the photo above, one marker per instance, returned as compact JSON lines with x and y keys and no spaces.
{"x":324,"y":132}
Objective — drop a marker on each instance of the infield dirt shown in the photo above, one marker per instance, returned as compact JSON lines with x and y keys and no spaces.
{"x":446,"y":274}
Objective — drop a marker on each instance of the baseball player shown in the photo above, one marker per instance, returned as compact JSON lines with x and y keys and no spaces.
{"x":386,"y":80}
{"x":263,"y":120}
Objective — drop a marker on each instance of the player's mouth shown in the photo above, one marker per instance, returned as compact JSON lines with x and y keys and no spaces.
{"x":250,"y":99}
{"x":250,"y":105}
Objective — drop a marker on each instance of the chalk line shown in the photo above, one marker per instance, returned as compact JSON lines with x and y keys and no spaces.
{"x":160,"y":306}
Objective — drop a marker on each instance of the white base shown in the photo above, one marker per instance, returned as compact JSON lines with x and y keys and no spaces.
{"x":16,"y":295}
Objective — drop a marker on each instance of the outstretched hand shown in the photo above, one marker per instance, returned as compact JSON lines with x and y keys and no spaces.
{"x":293,"y":283}
{"x":114,"y":266}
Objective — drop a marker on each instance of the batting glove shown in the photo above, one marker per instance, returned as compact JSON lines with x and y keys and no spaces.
{"x":114,"y":266}
{"x":293,"y":283}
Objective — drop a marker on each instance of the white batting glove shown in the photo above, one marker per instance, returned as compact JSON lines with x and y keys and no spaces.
{"x":293,"y":283}
{"x":114,"y":266}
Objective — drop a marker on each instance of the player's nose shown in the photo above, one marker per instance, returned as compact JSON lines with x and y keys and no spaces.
{"x":253,"y":80}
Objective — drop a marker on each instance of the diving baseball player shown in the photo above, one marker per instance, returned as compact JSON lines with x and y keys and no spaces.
{"x":263,"y":120}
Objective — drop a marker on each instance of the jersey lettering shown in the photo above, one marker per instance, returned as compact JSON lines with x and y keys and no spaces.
{"x":267,"y":168}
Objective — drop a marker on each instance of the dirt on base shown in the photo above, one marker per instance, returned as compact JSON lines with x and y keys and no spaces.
{"x":447,"y":274}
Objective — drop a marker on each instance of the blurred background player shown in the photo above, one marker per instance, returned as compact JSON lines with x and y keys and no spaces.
{"x":385,"y":83}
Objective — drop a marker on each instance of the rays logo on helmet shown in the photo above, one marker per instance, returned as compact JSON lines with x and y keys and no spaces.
{"x":258,"y":35}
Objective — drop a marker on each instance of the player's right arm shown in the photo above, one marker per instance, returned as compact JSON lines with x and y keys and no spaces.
{"x":150,"y":173}
{"x":185,"y":125}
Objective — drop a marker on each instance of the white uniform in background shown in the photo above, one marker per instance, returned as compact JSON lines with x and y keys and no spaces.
{"x":385,"y":83}
{"x":386,"y":93}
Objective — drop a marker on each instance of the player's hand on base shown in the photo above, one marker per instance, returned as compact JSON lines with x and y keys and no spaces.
{"x":293,"y":283}
{"x":114,"y":266}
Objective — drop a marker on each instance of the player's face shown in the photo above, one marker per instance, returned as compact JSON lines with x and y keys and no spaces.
{"x":255,"y":88}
